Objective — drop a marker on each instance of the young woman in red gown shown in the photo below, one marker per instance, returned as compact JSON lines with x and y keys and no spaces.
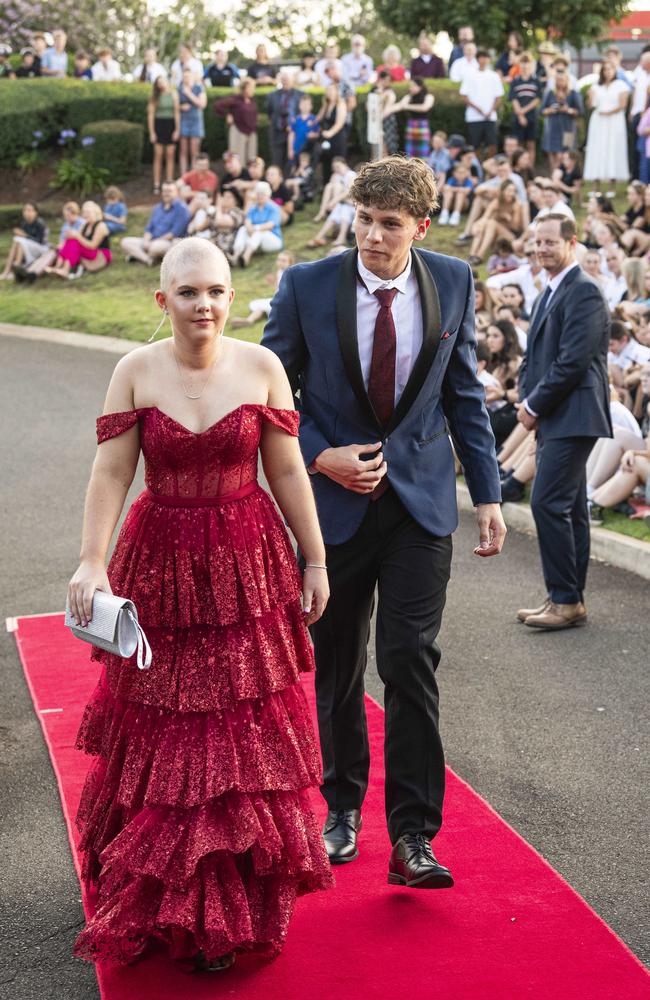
{"x":195,"y":818}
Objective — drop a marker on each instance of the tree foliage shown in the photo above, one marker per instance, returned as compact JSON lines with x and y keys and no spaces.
{"x":573,"y":21}
{"x":124,"y":25}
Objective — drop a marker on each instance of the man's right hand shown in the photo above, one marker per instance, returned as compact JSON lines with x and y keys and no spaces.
{"x":346,"y":467}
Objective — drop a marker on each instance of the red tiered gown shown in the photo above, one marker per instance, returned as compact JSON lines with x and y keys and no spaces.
{"x":195,"y":817}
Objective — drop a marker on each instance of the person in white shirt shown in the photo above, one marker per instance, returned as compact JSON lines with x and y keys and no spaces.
{"x":466,"y":64}
{"x":615,"y":287}
{"x":357,"y":64}
{"x":552,"y":203}
{"x":106,"y":69}
{"x":186,"y":59}
{"x":331,"y":55}
{"x":530,"y":277}
{"x":149,"y":69}
{"x":624,"y":350}
{"x":482,"y":91}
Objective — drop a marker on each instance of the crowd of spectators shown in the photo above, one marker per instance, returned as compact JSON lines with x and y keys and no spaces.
{"x":497,"y":179}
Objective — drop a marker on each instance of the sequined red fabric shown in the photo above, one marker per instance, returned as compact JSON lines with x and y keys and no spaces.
{"x":194,"y":818}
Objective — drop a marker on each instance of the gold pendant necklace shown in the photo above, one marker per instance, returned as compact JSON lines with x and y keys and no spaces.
{"x":189,"y":395}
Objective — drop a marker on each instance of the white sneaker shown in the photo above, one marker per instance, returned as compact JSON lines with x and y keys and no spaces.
{"x":454,"y":219}
{"x":443,"y":218}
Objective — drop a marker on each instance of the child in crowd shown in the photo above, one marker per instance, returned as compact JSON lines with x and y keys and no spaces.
{"x":503,"y":259}
{"x":301,"y":180}
{"x":72,"y":222}
{"x":568,"y":176}
{"x":456,"y":195}
{"x":337,"y":186}
{"x":304,"y":129}
{"x":115,"y":210}
{"x":29,"y":241}
{"x":28,"y":68}
{"x":260,"y":308}
{"x":82,"y":69}
{"x":439,"y":159}
{"x":339,"y":206}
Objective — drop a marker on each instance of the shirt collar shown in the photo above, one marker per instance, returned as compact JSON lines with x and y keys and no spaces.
{"x":558,"y":278}
{"x":372,"y":282}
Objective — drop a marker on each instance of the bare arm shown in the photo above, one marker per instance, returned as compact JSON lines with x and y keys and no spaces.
{"x":98,"y":236}
{"x":289,"y":483}
{"x":112,"y":474}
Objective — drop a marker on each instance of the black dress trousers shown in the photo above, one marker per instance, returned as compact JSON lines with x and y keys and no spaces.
{"x":410,"y":569}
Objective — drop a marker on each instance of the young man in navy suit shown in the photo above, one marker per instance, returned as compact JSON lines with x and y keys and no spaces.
{"x":378,"y":344}
{"x":564,"y":388}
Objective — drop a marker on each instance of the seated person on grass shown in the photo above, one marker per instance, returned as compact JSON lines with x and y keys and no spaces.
{"x":261,"y":229}
{"x":198,"y":181}
{"x":29,"y":241}
{"x":280,"y":194}
{"x":336,"y":188}
{"x":115,"y":210}
{"x":261,"y":308}
{"x":168,"y":222}
{"x":301,"y":180}
{"x":72,"y":222}
{"x":85,"y":249}
{"x":456,"y":195}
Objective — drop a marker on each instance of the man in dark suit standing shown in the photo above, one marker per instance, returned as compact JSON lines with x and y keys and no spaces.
{"x":379,"y":344}
{"x":281,"y":107}
{"x":564,"y":390}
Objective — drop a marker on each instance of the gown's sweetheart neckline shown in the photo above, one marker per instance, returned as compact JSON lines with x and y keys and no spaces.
{"x":216,"y":423}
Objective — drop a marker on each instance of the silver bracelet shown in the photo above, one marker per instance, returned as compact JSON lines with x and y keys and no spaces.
{"x":314,"y":566}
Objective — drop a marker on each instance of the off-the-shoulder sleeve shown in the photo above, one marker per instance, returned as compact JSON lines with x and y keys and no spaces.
{"x":286,"y":420}
{"x":111,"y":425}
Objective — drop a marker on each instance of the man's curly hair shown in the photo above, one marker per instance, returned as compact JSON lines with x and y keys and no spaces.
{"x":397,"y":183}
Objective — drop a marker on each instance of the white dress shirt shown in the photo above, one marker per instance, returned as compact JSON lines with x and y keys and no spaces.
{"x":640,"y":94}
{"x":407,"y":317}
{"x":524,"y":277}
{"x":106,"y":74}
{"x":553,"y":285}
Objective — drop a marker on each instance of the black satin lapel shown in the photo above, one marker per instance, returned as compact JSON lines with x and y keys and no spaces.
{"x":346,"y":326}
{"x":431,"y":334}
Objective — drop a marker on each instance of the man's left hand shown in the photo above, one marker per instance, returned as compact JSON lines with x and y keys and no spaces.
{"x":492,"y":529}
{"x":526,"y":418}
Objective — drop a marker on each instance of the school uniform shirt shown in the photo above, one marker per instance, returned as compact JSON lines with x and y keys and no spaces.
{"x":525,"y":91}
{"x":222,"y":76}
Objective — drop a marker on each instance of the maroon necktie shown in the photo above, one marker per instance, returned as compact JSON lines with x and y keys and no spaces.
{"x":381,"y":382}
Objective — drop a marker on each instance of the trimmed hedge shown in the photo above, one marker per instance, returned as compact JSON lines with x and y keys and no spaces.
{"x":47,"y":106}
{"x":117,"y":145}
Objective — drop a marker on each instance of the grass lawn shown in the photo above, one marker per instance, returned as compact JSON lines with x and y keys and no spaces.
{"x":119,"y":302}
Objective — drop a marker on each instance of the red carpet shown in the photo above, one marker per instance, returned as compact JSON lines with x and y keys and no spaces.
{"x":511,"y":929}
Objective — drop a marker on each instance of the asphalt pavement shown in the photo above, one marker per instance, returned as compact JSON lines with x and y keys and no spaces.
{"x":550,"y":728}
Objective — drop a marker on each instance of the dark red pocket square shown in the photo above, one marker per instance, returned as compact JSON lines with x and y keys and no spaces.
{"x":446,"y":335}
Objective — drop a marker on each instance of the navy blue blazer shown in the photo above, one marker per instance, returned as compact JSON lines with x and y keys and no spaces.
{"x":564,"y":374}
{"x":312,"y":329}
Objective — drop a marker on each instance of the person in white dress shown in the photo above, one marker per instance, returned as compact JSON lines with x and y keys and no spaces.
{"x":606,"y":157}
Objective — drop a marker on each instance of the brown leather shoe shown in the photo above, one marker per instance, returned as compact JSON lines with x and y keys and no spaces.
{"x":559,"y":616}
{"x":413,"y":864}
{"x":525,"y":613}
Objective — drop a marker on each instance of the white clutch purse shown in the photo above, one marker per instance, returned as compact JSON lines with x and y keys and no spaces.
{"x":114,"y":627}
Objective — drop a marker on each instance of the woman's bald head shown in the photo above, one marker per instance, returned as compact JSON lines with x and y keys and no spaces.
{"x":189,"y":254}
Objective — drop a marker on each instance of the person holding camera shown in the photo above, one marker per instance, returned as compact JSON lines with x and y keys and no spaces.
{"x":561,"y":108}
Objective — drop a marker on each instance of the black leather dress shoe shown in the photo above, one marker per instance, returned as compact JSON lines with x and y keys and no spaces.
{"x":512,"y":491}
{"x":413,"y":864}
{"x":340,"y":835}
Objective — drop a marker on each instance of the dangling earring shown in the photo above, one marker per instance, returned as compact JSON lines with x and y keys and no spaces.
{"x":155,"y":333}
